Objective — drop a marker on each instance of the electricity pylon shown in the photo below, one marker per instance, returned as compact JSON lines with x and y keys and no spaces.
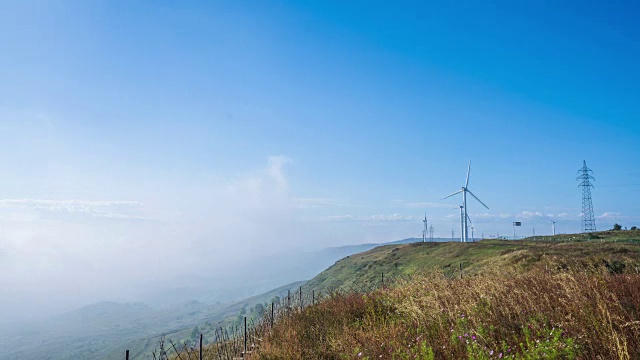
{"x":588,"y":220}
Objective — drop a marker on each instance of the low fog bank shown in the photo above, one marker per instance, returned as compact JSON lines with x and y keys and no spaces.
{"x":209,"y":239}
{"x":58,"y":255}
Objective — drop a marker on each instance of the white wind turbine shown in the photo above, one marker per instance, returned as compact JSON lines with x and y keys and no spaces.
{"x":424,"y":231}
{"x":553,"y":226}
{"x":464,"y":190}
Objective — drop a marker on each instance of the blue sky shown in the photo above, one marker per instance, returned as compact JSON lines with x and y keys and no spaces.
{"x":305,"y":124}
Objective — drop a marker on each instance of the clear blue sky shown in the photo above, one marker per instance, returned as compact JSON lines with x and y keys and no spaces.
{"x":325,"y":122}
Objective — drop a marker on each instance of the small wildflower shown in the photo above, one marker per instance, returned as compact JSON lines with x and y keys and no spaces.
{"x":473,"y":337}
{"x":360,"y":353}
{"x":500,"y":356}
{"x":491,"y":352}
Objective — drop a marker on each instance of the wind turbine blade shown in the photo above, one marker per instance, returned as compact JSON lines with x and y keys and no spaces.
{"x":468,"y":218}
{"x":455,"y":193}
{"x":475,"y":197}
{"x":468,"y":171}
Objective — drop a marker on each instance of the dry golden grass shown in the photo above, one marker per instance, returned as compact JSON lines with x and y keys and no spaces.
{"x":530,"y":315}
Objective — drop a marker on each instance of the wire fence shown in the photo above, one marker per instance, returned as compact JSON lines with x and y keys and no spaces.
{"x":240,"y":341}
{"x":582,"y":238}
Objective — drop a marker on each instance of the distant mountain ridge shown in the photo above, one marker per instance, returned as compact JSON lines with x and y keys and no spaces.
{"x":106,"y":308}
{"x":106,"y":328}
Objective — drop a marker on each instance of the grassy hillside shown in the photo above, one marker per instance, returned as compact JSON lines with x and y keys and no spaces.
{"x":531,"y":299}
{"x":537,"y":314}
{"x":611,"y":249}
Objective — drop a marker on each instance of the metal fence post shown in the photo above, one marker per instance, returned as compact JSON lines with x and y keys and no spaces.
{"x":200,"y":346}
{"x":244,"y":354}
{"x":272,"y":314}
{"x":126,"y":355}
{"x":460,"y":270}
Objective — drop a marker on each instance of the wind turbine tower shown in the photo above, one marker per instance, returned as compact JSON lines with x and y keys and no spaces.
{"x":463,"y":209}
{"x":424,"y":231}
{"x":461,"y":223}
{"x":588,"y":220}
{"x":431,"y":233}
{"x":553,"y":227}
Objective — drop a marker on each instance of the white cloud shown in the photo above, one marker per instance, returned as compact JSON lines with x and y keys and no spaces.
{"x":523,"y":215}
{"x":611,"y":215}
{"x":265,"y":189}
{"x":486,"y":216}
{"x":568,"y":216}
{"x":313,"y":203}
{"x":103,"y":209}
{"x":373,"y":218}
{"x":529,"y":215}
{"x":275,"y":169}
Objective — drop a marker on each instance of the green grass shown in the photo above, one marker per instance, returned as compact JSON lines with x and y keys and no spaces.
{"x":611,"y":249}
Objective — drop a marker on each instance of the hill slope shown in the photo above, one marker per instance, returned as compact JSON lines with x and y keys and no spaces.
{"x":517,"y":300}
{"x":614,"y":250}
